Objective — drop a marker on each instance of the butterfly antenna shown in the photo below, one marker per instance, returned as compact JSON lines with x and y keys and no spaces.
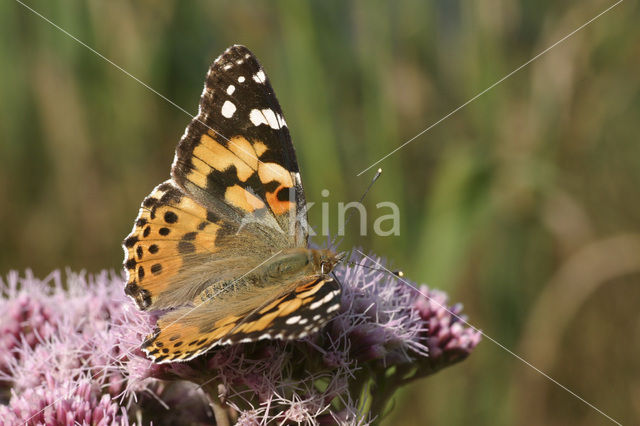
{"x":350,"y":215}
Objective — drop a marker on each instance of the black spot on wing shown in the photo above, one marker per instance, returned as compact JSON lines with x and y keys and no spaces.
{"x":189,"y":236}
{"x":149,"y":202}
{"x":212,"y":217}
{"x":130,"y":241}
{"x":185,"y":247}
{"x":170,"y":217}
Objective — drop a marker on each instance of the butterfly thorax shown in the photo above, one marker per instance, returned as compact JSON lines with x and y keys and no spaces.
{"x":301,"y":261}
{"x":287,"y":268}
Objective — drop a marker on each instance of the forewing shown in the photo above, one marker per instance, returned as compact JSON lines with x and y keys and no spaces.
{"x":236,"y":156}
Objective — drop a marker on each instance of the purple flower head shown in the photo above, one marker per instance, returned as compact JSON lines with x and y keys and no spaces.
{"x":25,"y":315}
{"x":378,"y":318}
{"x":447,"y":338}
{"x":65,"y":367}
{"x":73,"y":355}
{"x":69,"y":402}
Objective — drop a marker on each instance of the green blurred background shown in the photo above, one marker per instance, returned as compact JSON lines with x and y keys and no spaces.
{"x":524,"y":205}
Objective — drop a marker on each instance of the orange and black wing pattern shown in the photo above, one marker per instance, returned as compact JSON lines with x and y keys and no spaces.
{"x":189,"y":332}
{"x":236,"y":156}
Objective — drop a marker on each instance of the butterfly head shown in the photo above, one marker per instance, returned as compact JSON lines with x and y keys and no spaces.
{"x":327,"y":260}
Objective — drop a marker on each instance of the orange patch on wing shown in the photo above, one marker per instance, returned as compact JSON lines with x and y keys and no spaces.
{"x":268,"y":172}
{"x":226,"y":320}
{"x":217,"y":157}
{"x":191,"y":207}
{"x":260,"y":324}
{"x":199,"y":172}
{"x":278,"y":206}
{"x":243,"y":149}
{"x":259,"y":147}
{"x":243,"y":199}
{"x":186,"y":332}
{"x":220,"y":332}
{"x":313,"y":290}
{"x":289,"y":307}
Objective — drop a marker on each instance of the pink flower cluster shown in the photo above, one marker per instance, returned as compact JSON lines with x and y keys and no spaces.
{"x":60,"y":361}
{"x":69,"y":354}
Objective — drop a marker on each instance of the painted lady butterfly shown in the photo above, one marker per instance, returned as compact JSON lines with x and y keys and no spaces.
{"x":220,"y":249}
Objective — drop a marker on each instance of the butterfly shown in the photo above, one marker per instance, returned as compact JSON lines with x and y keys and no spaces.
{"x":220,"y":251}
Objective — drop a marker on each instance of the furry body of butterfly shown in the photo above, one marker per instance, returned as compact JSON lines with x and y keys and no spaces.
{"x":288,"y":268}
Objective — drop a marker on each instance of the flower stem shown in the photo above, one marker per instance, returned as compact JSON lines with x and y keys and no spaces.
{"x":219,"y":411}
{"x":222,"y":418}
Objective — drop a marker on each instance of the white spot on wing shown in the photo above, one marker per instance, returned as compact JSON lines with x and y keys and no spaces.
{"x":293,"y":320}
{"x":241,"y":79}
{"x":333,"y":308}
{"x":271,"y":118}
{"x":266,"y":116}
{"x":228,"y":108}
{"x":257,"y":118}
{"x":231,"y":89}
{"x":303,"y":321}
{"x":226,"y":67}
{"x":259,"y":77}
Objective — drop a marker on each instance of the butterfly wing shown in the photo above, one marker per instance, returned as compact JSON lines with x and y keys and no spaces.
{"x":186,"y":333}
{"x":236,"y":156}
{"x":235,"y":197}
